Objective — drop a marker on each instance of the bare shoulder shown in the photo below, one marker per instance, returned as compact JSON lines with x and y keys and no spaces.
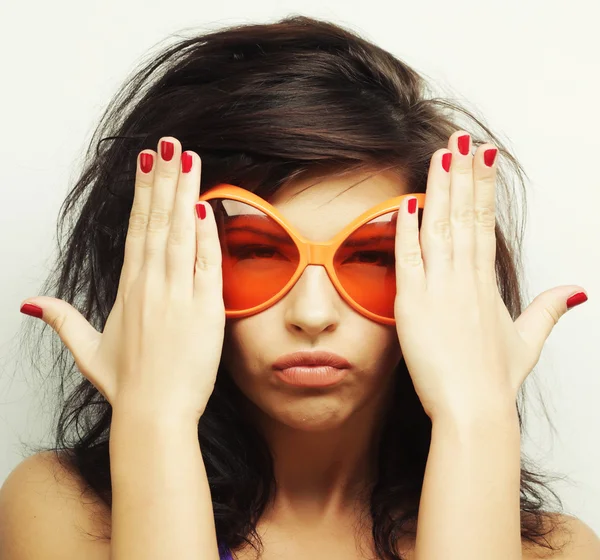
{"x":46,"y":513}
{"x":573,"y":539}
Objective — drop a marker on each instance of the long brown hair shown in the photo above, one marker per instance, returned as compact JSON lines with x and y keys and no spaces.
{"x":264,"y":104}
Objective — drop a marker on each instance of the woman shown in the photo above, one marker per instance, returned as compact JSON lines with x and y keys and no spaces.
{"x":194,"y":431}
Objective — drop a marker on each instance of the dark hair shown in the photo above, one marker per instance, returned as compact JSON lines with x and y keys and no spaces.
{"x":263,"y":104}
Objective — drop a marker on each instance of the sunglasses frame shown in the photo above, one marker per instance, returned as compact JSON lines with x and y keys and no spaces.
{"x":310,"y":252}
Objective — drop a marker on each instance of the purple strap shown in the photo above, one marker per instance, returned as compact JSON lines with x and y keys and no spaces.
{"x":224,"y":553}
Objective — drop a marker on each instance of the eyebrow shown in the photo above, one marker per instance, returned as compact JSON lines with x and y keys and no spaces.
{"x":288,"y":240}
{"x":363,"y":242}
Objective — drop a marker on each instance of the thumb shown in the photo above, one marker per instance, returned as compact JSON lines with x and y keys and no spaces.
{"x":539,"y":318}
{"x":70,"y":325}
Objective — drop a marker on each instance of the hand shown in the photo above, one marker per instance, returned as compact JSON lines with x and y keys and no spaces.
{"x":460,"y":344}
{"x":163,"y":339}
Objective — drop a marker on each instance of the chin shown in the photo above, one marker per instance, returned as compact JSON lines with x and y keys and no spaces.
{"x":317,"y":416}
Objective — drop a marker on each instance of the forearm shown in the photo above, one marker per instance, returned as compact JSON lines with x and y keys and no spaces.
{"x":470,"y":502}
{"x":161,"y":499}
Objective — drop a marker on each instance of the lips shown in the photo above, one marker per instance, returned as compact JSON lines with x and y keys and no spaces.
{"x":307,"y":359}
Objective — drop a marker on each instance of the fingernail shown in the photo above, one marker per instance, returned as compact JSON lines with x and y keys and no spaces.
{"x":33,"y":310}
{"x":446,"y":161}
{"x":186,"y":162}
{"x":576,"y":299}
{"x":489,"y":156}
{"x":412,"y":205}
{"x":200,"y":210}
{"x":463,"y":144}
{"x":146,"y":162}
{"x":166,"y":150}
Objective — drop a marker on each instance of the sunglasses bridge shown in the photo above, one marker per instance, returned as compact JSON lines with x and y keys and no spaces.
{"x":317,"y":254}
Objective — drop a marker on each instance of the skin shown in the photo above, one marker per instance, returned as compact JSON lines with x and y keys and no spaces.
{"x":319,"y":484}
{"x":322,"y":439}
{"x":323,"y":442}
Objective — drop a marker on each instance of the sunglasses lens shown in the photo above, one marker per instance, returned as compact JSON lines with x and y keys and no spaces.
{"x":259,"y":257}
{"x":366,"y":265}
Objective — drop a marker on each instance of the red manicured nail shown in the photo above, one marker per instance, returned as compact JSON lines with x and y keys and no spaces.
{"x":166,"y":150}
{"x":146,"y":162}
{"x":200,"y":210}
{"x":446,"y":161}
{"x":33,"y":310}
{"x":463,"y":144}
{"x":489,"y":156}
{"x":412,"y":205}
{"x":186,"y":162}
{"x":576,"y":299}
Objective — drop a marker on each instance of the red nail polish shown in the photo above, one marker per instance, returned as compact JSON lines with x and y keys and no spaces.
{"x":463,"y":144}
{"x":146,"y":162}
{"x":489,"y":156}
{"x":412,"y":205}
{"x":200,"y":210}
{"x":33,"y":310}
{"x":186,"y":162}
{"x":446,"y":161}
{"x":166,"y":150}
{"x":576,"y":299}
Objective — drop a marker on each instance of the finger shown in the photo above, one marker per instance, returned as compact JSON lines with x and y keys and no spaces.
{"x":484,"y":171}
{"x":77,"y":334}
{"x":436,"y":242}
{"x":208,"y":272}
{"x":410,"y":274}
{"x":166,"y":176}
{"x":181,"y":243}
{"x":135,"y":240}
{"x":462,"y":227}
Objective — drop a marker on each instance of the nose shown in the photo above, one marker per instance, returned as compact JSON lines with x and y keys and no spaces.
{"x":313,"y":304}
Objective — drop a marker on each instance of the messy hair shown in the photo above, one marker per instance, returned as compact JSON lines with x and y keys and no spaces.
{"x":263,"y":105}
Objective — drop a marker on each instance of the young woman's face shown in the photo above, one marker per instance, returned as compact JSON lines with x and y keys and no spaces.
{"x":313,"y":316}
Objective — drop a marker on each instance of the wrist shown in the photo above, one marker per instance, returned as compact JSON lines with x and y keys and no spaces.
{"x":497,"y":412}
{"x":156,"y":419}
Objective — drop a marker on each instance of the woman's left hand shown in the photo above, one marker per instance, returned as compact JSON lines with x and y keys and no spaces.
{"x":462,"y":348}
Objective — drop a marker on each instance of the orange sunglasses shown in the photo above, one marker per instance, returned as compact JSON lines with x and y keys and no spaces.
{"x":263,"y":255}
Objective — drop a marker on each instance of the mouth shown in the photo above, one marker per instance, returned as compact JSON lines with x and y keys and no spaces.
{"x":311,"y":369}
{"x":311,"y":359}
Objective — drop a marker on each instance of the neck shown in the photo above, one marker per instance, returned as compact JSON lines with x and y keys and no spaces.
{"x":324,"y":474}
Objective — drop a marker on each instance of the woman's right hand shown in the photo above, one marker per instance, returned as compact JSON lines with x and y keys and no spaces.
{"x":162,"y":342}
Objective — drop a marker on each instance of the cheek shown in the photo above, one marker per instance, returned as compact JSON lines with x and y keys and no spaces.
{"x":382,"y":351}
{"x":242,"y":348}
{"x":245,"y":341}
{"x":382,"y":339}
{"x":250,"y":343}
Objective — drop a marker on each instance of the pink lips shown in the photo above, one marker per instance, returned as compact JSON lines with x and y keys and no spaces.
{"x":311,"y":359}
{"x":311,"y":369}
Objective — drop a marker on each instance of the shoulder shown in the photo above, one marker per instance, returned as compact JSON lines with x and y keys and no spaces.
{"x":573,"y":538}
{"x":46,"y":512}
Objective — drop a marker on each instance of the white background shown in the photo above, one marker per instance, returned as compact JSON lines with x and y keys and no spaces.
{"x":530,"y":68}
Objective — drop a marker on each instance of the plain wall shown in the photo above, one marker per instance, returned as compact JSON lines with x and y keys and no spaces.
{"x":529,"y":68}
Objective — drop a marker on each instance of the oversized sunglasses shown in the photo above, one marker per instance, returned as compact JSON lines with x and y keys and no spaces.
{"x":263,"y":255}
